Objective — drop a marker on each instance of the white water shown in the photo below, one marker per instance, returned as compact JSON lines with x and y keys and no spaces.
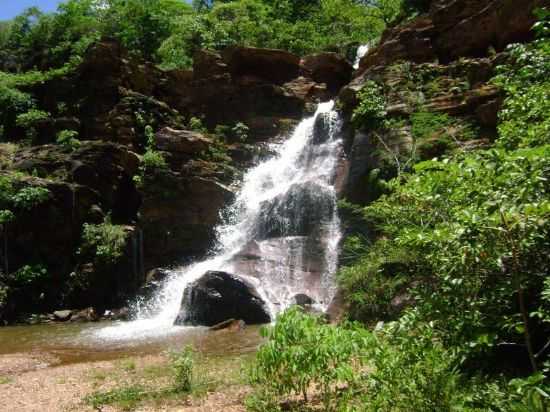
{"x":362,"y":51}
{"x":285,"y":268}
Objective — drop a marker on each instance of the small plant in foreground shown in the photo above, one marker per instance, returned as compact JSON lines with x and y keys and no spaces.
{"x":303,"y":353}
{"x":182,"y":367}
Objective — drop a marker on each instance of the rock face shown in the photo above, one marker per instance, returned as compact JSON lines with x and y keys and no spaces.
{"x":219,"y":296}
{"x":329,"y":68}
{"x":452,"y":29}
{"x":275,"y":66}
{"x":179,"y":215}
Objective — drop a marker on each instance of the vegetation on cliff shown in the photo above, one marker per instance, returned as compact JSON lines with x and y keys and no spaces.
{"x":453,"y":257}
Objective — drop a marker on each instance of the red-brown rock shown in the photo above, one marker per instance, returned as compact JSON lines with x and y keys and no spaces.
{"x":329,"y":68}
{"x":277,"y":66}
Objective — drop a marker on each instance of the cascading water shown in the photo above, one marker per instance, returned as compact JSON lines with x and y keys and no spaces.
{"x":281,"y":234}
{"x":362,"y":51}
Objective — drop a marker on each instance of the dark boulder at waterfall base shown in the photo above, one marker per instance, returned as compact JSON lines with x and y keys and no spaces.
{"x":219,"y":296}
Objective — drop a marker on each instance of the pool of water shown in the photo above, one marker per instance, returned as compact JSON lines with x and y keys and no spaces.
{"x":88,"y":342}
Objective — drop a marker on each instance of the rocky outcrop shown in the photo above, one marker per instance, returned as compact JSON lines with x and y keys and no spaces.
{"x":83,"y":186}
{"x":219,"y":296}
{"x":453,"y":29}
{"x":275,"y":66}
{"x":460,"y":90}
{"x":412,"y":42}
{"x":328,"y":68}
{"x":105,"y":168}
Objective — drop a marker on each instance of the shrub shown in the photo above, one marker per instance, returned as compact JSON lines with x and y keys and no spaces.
{"x":196,"y":124}
{"x":68,"y":138}
{"x":524,"y":120}
{"x":29,"y":274}
{"x":31,"y":118}
{"x":105,"y":242}
{"x":153,"y":160}
{"x":182,"y":366}
{"x":6,"y":216}
{"x":371,"y":106}
{"x":240,"y":130}
{"x":30,"y":197}
{"x":410,"y":373}
{"x":302,"y":351}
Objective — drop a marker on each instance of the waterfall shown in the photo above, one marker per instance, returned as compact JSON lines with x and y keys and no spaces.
{"x":362,"y":51}
{"x":281,"y":234}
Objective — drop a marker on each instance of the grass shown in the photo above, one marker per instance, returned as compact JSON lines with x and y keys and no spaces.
{"x":126,"y":398}
{"x":4,"y":380}
{"x":153,"y":384}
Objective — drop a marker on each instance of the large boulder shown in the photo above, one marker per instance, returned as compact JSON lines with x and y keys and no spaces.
{"x":219,"y":296}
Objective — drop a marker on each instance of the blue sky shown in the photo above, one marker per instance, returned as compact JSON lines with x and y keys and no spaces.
{"x":11,"y":8}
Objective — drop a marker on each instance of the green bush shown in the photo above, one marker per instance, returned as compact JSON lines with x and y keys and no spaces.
{"x":29,"y":274}
{"x":153,"y":160}
{"x":196,"y":124}
{"x":69,"y":139}
{"x":301,"y":351}
{"x":410,"y":373}
{"x":240,"y":130}
{"x":32,"y":117}
{"x":183,"y":368}
{"x":30,"y":197}
{"x":104,"y":242}
{"x":371,"y":107}
{"x":524,"y":120}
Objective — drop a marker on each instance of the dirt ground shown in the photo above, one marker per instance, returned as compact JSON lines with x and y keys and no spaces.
{"x":35,"y":382}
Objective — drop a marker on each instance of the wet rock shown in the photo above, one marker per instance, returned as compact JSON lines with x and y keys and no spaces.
{"x":117,"y":314}
{"x":301,"y":299}
{"x":85,"y":315}
{"x":62,"y":315}
{"x":153,"y":281}
{"x":329,"y":68}
{"x":322,"y":128}
{"x":299,"y":212}
{"x":219,"y":296}
{"x":229,"y":325}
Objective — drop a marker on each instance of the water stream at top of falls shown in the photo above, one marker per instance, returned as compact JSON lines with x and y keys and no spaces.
{"x":362,"y":51}
{"x":281,"y":233}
